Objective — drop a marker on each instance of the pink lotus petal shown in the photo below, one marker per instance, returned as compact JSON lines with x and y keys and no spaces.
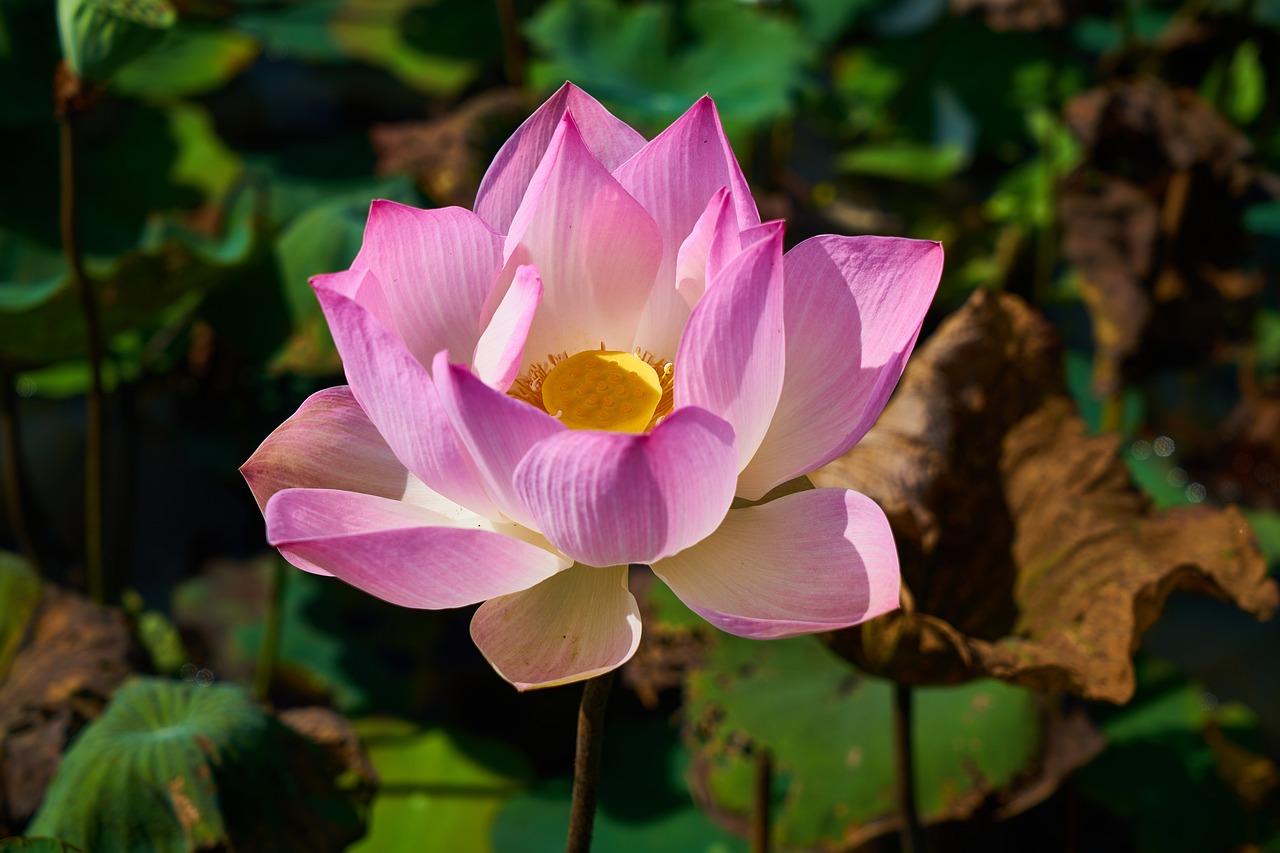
{"x":436,"y":268}
{"x":396,"y":392}
{"x":610,"y":141}
{"x":595,"y":247}
{"x":852,"y":308}
{"x":807,"y":562}
{"x":402,"y":553}
{"x":496,"y":430}
{"x":329,"y":443}
{"x":614,"y":498}
{"x":501,"y":346}
{"x":580,"y":623}
{"x":362,"y":287}
{"x":674,"y":176}
{"x":731,"y":355}
{"x":713,"y":242}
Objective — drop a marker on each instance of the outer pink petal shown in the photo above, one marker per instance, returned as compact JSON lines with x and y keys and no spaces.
{"x":609,"y":139}
{"x":579,"y":623}
{"x":402,"y":553}
{"x":853,"y":308}
{"x":730,"y":360}
{"x":501,"y":346}
{"x":496,"y":430}
{"x":614,"y":498}
{"x":674,"y":176}
{"x":810,"y":561}
{"x":362,"y":287}
{"x":397,"y":394}
{"x":595,"y":246}
{"x":436,"y":268}
{"x":329,"y":443}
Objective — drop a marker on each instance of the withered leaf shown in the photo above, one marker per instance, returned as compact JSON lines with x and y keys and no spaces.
{"x":1017,"y":15}
{"x":74,"y":656}
{"x":1027,"y":552}
{"x":1152,"y":221}
{"x":447,"y":155}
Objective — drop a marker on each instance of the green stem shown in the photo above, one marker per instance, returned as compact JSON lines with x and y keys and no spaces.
{"x":10,"y":466}
{"x":94,"y":420}
{"x":904,"y":758}
{"x":586,"y":762}
{"x":269,"y":648}
{"x":762,"y":798}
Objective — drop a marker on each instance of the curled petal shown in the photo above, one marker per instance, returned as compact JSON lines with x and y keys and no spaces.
{"x":501,"y":346}
{"x":714,"y":241}
{"x":731,"y":355}
{"x":615,"y":498}
{"x":496,"y":430}
{"x":852,"y":307}
{"x":436,"y":268}
{"x":610,"y":140}
{"x":594,"y":245}
{"x":396,"y":392}
{"x":674,"y":176}
{"x":811,"y":561}
{"x":405,"y":554}
{"x":580,"y":623}
{"x":329,"y":443}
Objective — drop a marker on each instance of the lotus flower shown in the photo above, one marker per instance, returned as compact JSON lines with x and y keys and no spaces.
{"x":584,"y":373}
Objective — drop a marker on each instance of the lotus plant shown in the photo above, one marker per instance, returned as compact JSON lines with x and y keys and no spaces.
{"x":610,"y":361}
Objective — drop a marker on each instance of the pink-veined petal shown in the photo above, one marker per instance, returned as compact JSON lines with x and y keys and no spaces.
{"x":714,"y":241}
{"x":436,"y":268}
{"x":580,"y":623}
{"x":362,"y":287}
{"x":329,"y":443}
{"x":674,"y":176}
{"x":501,"y":346}
{"x":613,"y":498}
{"x":396,"y":392}
{"x":811,"y":561}
{"x":730,"y":360}
{"x":609,"y":139}
{"x":405,"y":554}
{"x":594,"y":245}
{"x":496,"y":430}
{"x":853,"y":307}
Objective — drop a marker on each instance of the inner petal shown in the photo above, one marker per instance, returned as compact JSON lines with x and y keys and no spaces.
{"x":602,"y":389}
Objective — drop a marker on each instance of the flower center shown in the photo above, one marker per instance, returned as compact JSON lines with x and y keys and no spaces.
{"x":600,"y":389}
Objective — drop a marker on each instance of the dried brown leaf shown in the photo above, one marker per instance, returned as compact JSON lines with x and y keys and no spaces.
{"x":1152,"y":221}
{"x":75,"y":655}
{"x":447,"y":155}
{"x":1027,"y":551}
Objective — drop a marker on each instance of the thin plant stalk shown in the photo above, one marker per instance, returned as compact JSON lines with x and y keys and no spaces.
{"x":94,"y":418}
{"x":762,"y":798}
{"x":10,"y":466}
{"x":512,"y":53}
{"x":586,"y":762}
{"x":904,"y":759}
{"x":269,"y":647}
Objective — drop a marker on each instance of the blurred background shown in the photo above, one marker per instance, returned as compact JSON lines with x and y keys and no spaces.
{"x":1087,"y":525}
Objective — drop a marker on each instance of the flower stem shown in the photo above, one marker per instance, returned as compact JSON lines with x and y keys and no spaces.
{"x":269,"y":647}
{"x":512,"y":55}
{"x":10,"y":467}
{"x":586,"y":763}
{"x":68,"y":111}
{"x":904,"y":758}
{"x":762,"y":797}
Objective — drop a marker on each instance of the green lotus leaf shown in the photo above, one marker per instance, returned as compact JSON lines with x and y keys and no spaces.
{"x":172,"y":766}
{"x":99,"y":37}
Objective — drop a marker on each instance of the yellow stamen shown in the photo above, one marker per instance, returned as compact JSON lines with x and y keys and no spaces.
{"x":602,"y":389}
